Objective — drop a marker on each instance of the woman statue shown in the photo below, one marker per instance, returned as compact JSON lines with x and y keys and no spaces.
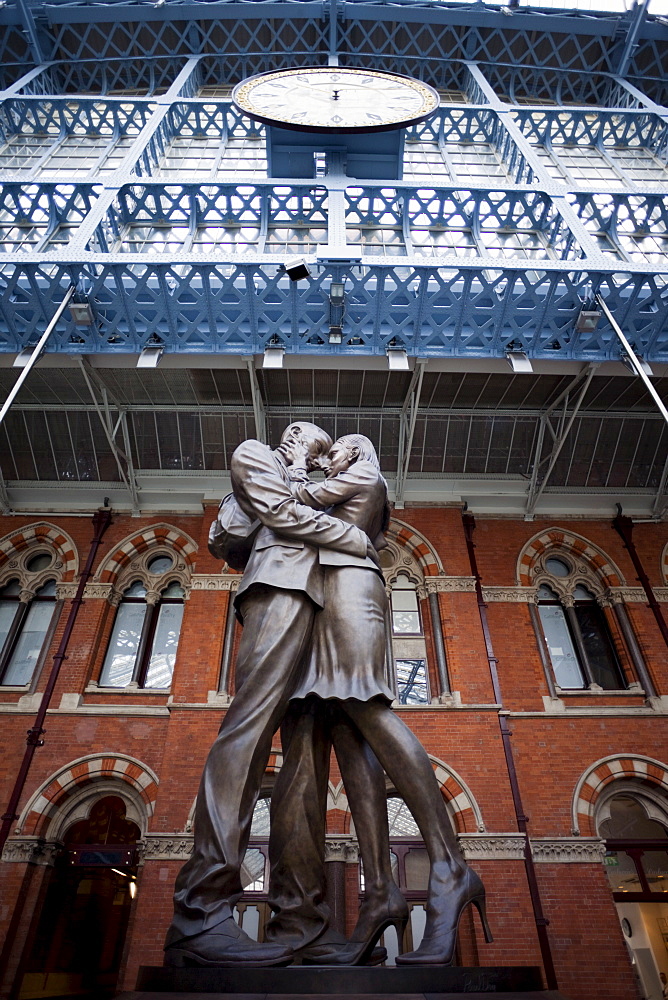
{"x":346,"y":666}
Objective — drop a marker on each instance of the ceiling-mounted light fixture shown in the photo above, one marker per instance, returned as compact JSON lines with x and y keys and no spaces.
{"x":587,"y":320}
{"x":297,"y":269}
{"x":150,"y":357}
{"x":81,"y":313}
{"x":397,"y":360}
{"x":519,"y":362}
{"x":22,"y":359}
{"x":273,"y":357}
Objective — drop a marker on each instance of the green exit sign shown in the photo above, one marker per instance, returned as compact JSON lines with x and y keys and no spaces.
{"x":611,"y":860}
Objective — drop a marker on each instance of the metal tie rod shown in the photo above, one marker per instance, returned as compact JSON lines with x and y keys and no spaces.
{"x":34,"y":357}
{"x":632,"y":357}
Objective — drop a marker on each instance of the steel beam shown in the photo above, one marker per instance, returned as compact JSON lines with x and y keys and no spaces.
{"x":559,"y":436}
{"x":258,"y":403}
{"x":628,"y":350}
{"x":407,"y":419}
{"x":36,"y":354}
{"x":122,"y":457}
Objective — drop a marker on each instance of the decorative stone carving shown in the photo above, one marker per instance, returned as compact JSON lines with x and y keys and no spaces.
{"x":219,"y":581}
{"x":31,"y":850}
{"x":167,"y":847}
{"x":636,"y":595}
{"x":492,"y":846}
{"x":568,"y":850}
{"x":449,"y":584}
{"x":509,"y":595}
{"x":342,"y":849}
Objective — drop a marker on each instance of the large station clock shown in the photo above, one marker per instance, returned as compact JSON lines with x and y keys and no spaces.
{"x":334,"y":100}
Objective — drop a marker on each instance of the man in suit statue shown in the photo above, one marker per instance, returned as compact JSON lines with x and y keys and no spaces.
{"x":279,"y":594}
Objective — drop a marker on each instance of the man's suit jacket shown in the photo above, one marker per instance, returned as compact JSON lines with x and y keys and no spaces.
{"x":285,"y":553}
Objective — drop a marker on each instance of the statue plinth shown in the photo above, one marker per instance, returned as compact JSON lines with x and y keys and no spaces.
{"x":522,"y":981}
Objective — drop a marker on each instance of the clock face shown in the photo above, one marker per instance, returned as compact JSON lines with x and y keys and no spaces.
{"x":335,"y":99}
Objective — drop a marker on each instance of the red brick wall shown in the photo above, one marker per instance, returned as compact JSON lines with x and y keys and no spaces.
{"x":551,"y":752}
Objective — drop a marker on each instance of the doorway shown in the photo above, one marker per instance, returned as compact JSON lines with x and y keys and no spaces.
{"x":81,"y":932}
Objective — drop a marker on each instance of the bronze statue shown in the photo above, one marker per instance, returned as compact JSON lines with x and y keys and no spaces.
{"x":313,"y":602}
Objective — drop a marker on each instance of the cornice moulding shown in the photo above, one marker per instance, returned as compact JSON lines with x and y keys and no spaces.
{"x":568,"y":850}
{"x":449,"y":584}
{"x":31,"y":850}
{"x":509,"y":595}
{"x":214,"y":581}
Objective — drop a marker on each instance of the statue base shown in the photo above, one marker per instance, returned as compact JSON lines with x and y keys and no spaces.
{"x":513,"y":981}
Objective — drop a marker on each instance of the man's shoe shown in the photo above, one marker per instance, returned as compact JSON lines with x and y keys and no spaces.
{"x":340,"y":954}
{"x":227,"y":946}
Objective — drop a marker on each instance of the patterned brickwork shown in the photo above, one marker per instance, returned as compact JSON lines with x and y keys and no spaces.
{"x":411,"y":539}
{"x":12,"y":545}
{"x":599,"y":775}
{"x":49,"y":798}
{"x":157,"y":535}
{"x":561,"y":540}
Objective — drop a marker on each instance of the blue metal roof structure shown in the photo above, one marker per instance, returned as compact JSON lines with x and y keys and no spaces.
{"x":66,"y":66}
{"x":541,"y":181}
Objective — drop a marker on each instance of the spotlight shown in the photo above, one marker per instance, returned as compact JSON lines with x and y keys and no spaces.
{"x":22,"y":359}
{"x":335,"y":334}
{"x":150,"y":357}
{"x":81,"y":313}
{"x":297,"y":270}
{"x":519,"y":362}
{"x":624,"y":358}
{"x":587,"y":320}
{"x":397,"y":360}
{"x":336,"y":293}
{"x":273,"y":357}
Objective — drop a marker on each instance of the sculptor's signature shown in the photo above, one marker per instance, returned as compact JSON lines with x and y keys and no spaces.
{"x":478,"y":984}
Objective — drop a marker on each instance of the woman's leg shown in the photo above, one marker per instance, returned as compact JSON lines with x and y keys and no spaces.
{"x":406,"y":762}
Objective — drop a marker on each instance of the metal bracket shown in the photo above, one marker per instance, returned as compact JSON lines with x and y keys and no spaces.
{"x":559,"y":435}
{"x":407,"y":421}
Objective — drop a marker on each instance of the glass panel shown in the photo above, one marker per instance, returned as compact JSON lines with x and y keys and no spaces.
{"x":557,"y":568}
{"x":7,"y":611}
{"x":48,"y":590}
{"x":39,"y":562}
{"x":136,"y":590}
{"x":406,"y":622}
{"x":629,"y":821}
{"x":252,"y":870}
{"x":260,"y":823}
{"x":400,"y":819}
{"x":12,"y":589}
{"x":412,"y":682}
{"x":417,"y":869}
{"x":160,"y":564}
{"x":24,"y":658}
{"x":655,"y":866}
{"x":165,"y":643}
{"x":565,"y":663}
{"x":621,"y":872}
{"x":546,"y":593}
{"x":582,"y":594}
{"x":404,"y":600}
{"x":121,"y":656}
{"x":174,"y":591}
{"x":600,"y":653}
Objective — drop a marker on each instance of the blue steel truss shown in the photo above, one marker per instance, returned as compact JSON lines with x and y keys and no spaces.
{"x":459,"y":262}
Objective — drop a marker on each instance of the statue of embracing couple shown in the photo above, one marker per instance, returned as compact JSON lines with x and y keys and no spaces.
{"x":311,"y":661}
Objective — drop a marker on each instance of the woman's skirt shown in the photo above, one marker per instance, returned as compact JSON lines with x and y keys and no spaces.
{"x":347,"y":655}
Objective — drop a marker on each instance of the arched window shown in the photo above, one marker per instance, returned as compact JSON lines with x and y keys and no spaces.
{"x":145,"y":637}
{"x":405,"y":631}
{"x":635,"y":829}
{"x":24,"y":624}
{"x":581,"y":650}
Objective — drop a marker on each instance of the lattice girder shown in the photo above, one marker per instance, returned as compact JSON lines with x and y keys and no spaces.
{"x":242,"y":307}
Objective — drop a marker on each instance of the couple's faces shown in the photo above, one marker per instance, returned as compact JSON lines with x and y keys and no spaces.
{"x":339,"y":460}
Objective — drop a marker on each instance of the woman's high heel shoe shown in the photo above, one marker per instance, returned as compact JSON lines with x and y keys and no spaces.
{"x":444,"y":911}
{"x":376,"y":915}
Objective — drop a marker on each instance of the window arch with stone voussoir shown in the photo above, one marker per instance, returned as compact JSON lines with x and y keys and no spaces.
{"x":574,"y":587}
{"x":625,"y":801}
{"x":406,"y":560}
{"x":149,"y":575}
{"x":35,"y":561}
